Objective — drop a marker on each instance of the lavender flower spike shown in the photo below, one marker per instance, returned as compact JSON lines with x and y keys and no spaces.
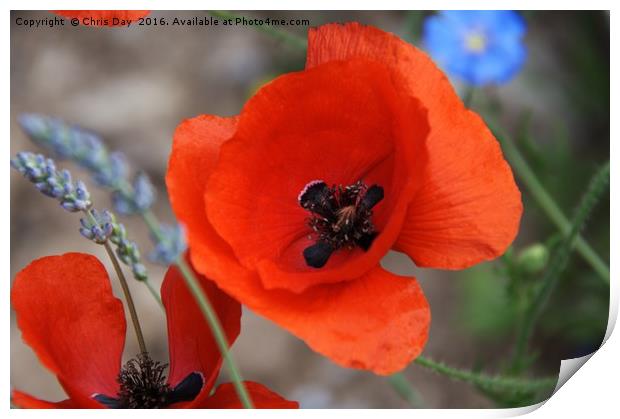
{"x":170,"y":246}
{"x":68,"y":142}
{"x":108,"y":169}
{"x":73,"y":196}
{"x":101,"y":227}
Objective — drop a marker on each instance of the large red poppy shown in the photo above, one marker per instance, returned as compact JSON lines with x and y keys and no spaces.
{"x":104,"y":17}
{"x":290,"y":206}
{"x":68,"y":315}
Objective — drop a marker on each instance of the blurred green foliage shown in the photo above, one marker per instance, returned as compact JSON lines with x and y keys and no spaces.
{"x":564,"y":152}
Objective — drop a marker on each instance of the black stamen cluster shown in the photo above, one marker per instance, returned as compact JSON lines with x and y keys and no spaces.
{"x":143,"y":385}
{"x":341,"y":218}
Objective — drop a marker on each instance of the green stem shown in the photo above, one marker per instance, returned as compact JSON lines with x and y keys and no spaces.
{"x":546,"y":202}
{"x":559,"y":261}
{"x":123,"y":188}
{"x":291,"y":39}
{"x":128,"y":299}
{"x":207,"y":311}
{"x":506,"y":383}
{"x":154,"y":293}
{"x":404,"y":388}
{"x":153,"y":224}
{"x":121,"y":278}
{"x":220,"y":338}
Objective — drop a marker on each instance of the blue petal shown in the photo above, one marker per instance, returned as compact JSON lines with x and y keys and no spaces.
{"x":443,"y":43}
{"x":445,"y":39}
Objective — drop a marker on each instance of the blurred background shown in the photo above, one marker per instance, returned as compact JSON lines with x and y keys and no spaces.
{"x":134,"y":85}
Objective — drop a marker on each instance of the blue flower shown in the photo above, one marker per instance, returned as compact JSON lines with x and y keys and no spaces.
{"x":479,"y":46}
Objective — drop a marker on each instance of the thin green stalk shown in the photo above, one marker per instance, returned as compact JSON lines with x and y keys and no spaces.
{"x":220,"y":338}
{"x":128,"y":299}
{"x":289,"y":38}
{"x":201,"y":298}
{"x":498,"y":382}
{"x":404,"y":388}
{"x":208,"y":312}
{"x":559,"y":261}
{"x":152,"y":223}
{"x":546,"y":202}
{"x":154,"y":293}
{"x":122,"y":188}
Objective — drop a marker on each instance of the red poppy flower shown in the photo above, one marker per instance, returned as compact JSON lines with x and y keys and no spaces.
{"x":68,"y":315}
{"x":104,"y":17}
{"x":291,"y":205}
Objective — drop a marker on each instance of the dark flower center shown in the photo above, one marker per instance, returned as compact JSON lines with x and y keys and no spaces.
{"x":340,"y":217}
{"x":143,"y":385}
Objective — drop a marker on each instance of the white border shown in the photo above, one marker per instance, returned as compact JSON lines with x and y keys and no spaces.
{"x":592,"y":392}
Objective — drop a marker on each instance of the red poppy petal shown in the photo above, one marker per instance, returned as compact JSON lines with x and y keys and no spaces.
{"x":378,"y":322}
{"x":195,"y":149}
{"x":397,"y":312}
{"x":225,"y":397}
{"x":26,"y":401}
{"x":69,"y":317}
{"x":104,"y":17}
{"x":469,"y":207}
{"x":340,"y":123}
{"x":190,"y":340}
{"x":469,"y":212}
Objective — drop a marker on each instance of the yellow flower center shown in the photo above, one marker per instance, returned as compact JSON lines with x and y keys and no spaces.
{"x":475,"y":42}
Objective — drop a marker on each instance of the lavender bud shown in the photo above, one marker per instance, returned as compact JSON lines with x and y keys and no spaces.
{"x":86,"y":233}
{"x":69,"y":206}
{"x":139,"y":272}
{"x":144,"y":192}
{"x":68,"y":189}
{"x":118,"y":164}
{"x":171,"y":245}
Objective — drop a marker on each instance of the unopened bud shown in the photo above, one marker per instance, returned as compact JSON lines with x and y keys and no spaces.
{"x":533,"y":259}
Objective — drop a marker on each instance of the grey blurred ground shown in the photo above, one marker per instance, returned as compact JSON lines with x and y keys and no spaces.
{"x":134,"y":86}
